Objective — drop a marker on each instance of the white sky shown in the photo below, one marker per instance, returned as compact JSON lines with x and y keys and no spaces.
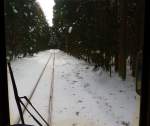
{"x":47,"y":7}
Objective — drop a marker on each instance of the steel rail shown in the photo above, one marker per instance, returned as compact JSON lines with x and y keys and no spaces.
{"x":31,"y":95}
{"x":51,"y":95}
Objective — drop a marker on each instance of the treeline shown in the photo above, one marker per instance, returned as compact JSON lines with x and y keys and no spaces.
{"x":26,"y":28}
{"x":103,"y":32}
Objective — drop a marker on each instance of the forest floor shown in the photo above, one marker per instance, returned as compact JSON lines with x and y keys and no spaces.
{"x":81,"y":96}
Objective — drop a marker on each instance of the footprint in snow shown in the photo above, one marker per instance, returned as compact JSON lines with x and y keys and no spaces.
{"x":100,"y":97}
{"x":77,"y":113}
{"x":60,"y":111}
{"x":97,"y":102}
{"x":121,"y":107}
{"x":117,"y":122}
{"x":94,"y":97}
{"x":80,"y":101}
{"x":89,"y":92}
{"x":83,"y":107}
{"x":86,"y":85}
{"x":80,"y":77}
{"x":124,"y":123}
{"x":110,"y":93}
{"x":121,"y":91}
{"x":74,"y":82}
{"x":110,"y":106}
{"x":106,"y":104}
{"x":105,"y":99}
{"x":74,"y":124}
{"x":135,"y":97}
{"x":87,"y":68}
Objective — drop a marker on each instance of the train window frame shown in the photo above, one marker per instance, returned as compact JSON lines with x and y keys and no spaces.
{"x":145,"y":92}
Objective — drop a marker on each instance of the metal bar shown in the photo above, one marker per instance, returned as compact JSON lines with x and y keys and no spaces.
{"x":34,"y":109}
{"x":16,"y":93}
{"x":4,"y":105}
{"x":30,"y":113}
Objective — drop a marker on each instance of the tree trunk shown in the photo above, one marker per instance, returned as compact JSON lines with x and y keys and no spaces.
{"x":123,"y":38}
{"x":140,"y":23}
{"x":116,"y":63}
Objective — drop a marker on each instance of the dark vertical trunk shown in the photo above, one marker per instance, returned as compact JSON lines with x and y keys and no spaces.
{"x":66,"y":43}
{"x":139,"y":34}
{"x":116,"y":62}
{"x":4,"y":105}
{"x":133,"y":65}
{"x":123,"y":38}
{"x":140,"y":23}
{"x":110,"y":65}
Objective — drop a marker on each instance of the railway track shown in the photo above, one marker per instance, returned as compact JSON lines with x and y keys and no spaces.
{"x":51,"y":95}
{"x":50,"y":104}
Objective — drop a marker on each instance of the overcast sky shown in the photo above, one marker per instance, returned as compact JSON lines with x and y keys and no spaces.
{"x":47,"y":7}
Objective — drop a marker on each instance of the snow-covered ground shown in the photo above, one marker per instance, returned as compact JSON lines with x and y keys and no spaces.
{"x":81,"y":97}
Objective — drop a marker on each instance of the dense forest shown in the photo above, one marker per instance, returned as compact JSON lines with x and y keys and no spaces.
{"x":105,"y":33}
{"x":26,"y":28}
{"x":102,"y":32}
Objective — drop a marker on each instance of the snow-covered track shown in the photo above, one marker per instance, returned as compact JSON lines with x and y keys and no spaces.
{"x":70,"y":93}
{"x":35,"y":87}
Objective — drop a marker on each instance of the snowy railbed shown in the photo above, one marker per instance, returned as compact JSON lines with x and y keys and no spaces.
{"x":81,"y":96}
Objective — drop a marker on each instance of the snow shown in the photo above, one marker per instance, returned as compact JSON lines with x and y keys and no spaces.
{"x":97,"y":51}
{"x":70,"y":30}
{"x":15,"y":10}
{"x":61,"y":13}
{"x":60,"y":29}
{"x":31,"y":48}
{"x":79,"y":42}
{"x":77,"y":10}
{"x":31,"y":29}
{"x":81,"y":96}
{"x":26,"y":73}
{"x":25,"y":14}
{"x":31,"y":13}
{"x":29,"y":5}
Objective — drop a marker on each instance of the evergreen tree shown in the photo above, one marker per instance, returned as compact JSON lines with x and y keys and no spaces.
{"x":26,"y":29}
{"x":105,"y":32}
